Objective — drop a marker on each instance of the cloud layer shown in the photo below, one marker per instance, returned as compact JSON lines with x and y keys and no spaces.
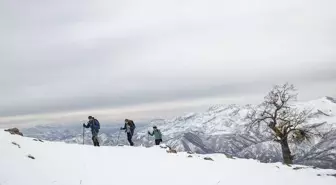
{"x":82,"y":55}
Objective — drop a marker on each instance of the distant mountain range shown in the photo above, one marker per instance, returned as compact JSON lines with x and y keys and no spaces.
{"x":220,"y":129}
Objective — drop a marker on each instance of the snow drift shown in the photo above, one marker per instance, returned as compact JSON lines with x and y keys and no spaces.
{"x":28,"y":161}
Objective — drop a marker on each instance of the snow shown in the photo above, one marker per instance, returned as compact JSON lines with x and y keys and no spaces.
{"x":220,"y":129}
{"x":228,"y":119}
{"x":71,"y":164}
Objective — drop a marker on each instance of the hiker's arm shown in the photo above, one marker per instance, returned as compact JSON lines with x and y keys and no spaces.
{"x":151,"y":133}
{"x":123,"y":128}
{"x":86,"y":126}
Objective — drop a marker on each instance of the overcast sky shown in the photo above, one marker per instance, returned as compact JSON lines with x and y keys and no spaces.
{"x":61,"y":61}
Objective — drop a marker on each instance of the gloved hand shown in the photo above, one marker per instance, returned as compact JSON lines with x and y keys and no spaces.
{"x":148,"y":132}
{"x":121,"y":128}
{"x":83,"y":124}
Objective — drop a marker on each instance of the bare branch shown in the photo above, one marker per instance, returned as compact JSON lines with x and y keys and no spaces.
{"x":283,"y":119}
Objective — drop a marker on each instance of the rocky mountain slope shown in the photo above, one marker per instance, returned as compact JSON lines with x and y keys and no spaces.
{"x":222,"y":129}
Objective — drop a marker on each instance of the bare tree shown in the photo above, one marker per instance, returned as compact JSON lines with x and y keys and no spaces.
{"x":284,"y":121}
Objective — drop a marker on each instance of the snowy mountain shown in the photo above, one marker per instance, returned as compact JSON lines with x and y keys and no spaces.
{"x":222,"y":129}
{"x":30,"y":161}
{"x":74,"y":133}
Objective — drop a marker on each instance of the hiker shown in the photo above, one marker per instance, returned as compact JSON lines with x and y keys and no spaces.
{"x":157,"y":135}
{"x":95,"y":126}
{"x":129,"y":129}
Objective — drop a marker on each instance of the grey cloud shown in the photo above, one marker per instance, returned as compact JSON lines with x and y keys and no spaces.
{"x":79,"y":55}
{"x":143,"y":96}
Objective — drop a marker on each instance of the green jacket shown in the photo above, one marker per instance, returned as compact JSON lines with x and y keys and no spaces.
{"x":157,"y":134}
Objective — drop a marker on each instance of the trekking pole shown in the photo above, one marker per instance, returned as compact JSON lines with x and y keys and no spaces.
{"x":148,"y":139}
{"x":83,"y":135}
{"x":118,"y":138}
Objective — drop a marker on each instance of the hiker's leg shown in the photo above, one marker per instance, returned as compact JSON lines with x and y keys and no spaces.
{"x":93,"y":140}
{"x":157,"y":142}
{"x":131,"y":142}
{"x":96,"y":141}
{"x":129,"y":138}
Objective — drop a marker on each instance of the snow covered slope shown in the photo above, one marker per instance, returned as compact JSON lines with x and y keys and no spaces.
{"x":221,"y":129}
{"x":69,"y":164}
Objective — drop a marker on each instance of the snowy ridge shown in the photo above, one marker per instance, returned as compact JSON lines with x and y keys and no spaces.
{"x":221,"y":129}
{"x":26,"y":161}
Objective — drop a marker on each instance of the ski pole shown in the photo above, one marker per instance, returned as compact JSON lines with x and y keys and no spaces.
{"x":118,"y":137}
{"x":148,"y":139}
{"x":83,"y":135}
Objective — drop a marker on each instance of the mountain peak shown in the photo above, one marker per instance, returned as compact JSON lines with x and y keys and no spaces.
{"x":333,"y":100}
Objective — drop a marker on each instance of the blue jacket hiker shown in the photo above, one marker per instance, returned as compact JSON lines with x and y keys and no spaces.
{"x":95,"y":126}
{"x":157,"y":135}
{"x":129,"y":128}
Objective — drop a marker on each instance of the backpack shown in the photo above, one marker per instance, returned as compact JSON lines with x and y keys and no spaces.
{"x":96,"y":124}
{"x":132,"y":125}
{"x":160,"y":134}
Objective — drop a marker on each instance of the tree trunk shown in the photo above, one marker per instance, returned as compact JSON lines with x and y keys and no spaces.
{"x":286,"y":153}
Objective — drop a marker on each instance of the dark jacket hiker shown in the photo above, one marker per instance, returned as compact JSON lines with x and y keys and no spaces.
{"x":157,"y":135}
{"x":129,"y":128}
{"x":95,"y":126}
